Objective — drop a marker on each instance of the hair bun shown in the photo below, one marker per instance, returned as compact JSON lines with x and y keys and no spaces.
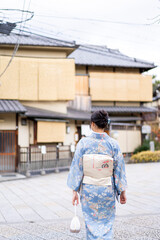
{"x":100,"y":118}
{"x":104,"y":115}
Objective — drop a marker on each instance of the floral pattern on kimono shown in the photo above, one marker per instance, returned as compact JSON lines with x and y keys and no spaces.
{"x":98,"y":202}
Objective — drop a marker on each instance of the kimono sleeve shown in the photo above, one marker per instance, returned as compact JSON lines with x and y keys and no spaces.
{"x":76,"y":170}
{"x":119,"y":170}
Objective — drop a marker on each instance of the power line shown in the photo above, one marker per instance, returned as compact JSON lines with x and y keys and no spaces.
{"x":93,"y":20}
{"x":41,"y":34}
{"x":31,"y":27}
{"x":154,"y":17}
{"x":8,"y":9}
{"x":17,"y":44}
{"x":74,"y":30}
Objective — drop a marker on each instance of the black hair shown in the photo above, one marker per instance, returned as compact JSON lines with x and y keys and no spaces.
{"x":100,"y":118}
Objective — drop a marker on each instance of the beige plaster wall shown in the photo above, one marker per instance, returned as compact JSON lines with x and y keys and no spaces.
{"x":81,"y":69}
{"x":99,"y":103}
{"x":110,"y":103}
{"x":7,"y":121}
{"x":107,"y":86}
{"x":55,"y":106}
{"x":48,"y":132}
{"x":152,"y":104}
{"x":133,"y":104}
{"x":38,"y":79}
{"x":9,"y":82}
{"x":128,"y":140}
{"x":35,"y":51}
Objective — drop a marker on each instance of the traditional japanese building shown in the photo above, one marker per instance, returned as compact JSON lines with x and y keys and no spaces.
{"x":51,"y":87}
{"x":107,"y":79}
{"x":155,"y":125}
{"x":38,"y":82}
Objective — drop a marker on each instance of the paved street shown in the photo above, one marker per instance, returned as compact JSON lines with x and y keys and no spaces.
{"x":40,"y":207}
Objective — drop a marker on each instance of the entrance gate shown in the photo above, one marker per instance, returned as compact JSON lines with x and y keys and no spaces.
{"x":7,"y":150}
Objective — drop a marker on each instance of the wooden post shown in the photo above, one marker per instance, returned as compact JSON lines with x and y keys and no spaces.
{"x":57,"y":159}
{"x":16,"y":145}
{"x":35,"y":132}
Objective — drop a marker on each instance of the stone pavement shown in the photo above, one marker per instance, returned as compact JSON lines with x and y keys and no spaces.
{"x":126,"y":228}
{"x":11,"y":176}
{"x":40,"y":207}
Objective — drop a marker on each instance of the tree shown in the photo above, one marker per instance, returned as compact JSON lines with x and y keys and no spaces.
{"x":156,"y":85}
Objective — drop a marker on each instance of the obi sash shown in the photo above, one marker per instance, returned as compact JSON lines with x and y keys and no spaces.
{"x":98,"y":169}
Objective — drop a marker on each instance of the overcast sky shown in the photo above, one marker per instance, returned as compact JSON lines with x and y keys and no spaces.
{"x":131,"y":26}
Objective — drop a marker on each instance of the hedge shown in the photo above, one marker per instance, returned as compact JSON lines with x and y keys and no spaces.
{"x":145,"y":156}
{"x":146,"y":146}
{"x":143,"y":147}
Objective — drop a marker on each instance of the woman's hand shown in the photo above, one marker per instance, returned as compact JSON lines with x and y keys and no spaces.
{"x":123,"y":198}
{"x":75,"y":197}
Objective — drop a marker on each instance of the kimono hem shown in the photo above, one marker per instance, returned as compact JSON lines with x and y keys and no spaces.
{"x":98,"y":202}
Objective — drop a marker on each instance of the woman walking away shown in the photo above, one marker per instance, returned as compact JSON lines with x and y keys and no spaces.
{"x":98,"y":173}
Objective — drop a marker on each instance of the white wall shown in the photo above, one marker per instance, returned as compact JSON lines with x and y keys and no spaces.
{"x":69,"y":138}
{"x":23,"y":134}
{"x":128,"y":140}
{"x":31,"y":132}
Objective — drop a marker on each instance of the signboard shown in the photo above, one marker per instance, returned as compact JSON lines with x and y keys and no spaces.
{"x":151,"y":144}
{"x":72,"y":148}
{"x":146,"y":129}
{"x":76,"y":137}
{"x":43,"y":149}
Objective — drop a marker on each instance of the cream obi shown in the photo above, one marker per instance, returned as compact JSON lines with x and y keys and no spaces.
{"x":98,"y":169}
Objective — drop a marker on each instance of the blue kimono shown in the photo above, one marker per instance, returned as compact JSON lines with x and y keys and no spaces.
{"x":98,"y":202}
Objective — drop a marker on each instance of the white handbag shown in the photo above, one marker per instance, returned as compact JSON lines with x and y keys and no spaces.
{"x":75,"y":225}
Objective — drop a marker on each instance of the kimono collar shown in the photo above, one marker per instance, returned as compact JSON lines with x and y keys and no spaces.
{"x":99,"y":135}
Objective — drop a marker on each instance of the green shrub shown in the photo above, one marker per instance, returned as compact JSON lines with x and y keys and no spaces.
{"x":143,"y":147}
{"x":157,"y":145}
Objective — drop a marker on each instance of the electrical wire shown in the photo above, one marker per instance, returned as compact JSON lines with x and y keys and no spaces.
{"x":51,"y":33}
{"x":75,"y":30}
{"x":42,"y":35}
{"x":93,"y":20}
{"x":27,"y":11}
{"x":55,"y":34}
{"x":82,"y":31}
{"x":17,"y":44}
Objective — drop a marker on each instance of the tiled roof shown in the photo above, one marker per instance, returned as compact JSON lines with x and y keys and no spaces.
{"x":78,"y":114}
{"x":93,"y":55}
{"x":155,"y":98}
{"x":125,"y":119}
{"x":71,"y":114}
{"x":34,"y":40}
{"x":11,"y":106}
{"x":82,"y":115}
{"x":119,"y":109}
{"x":38,"y":112}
